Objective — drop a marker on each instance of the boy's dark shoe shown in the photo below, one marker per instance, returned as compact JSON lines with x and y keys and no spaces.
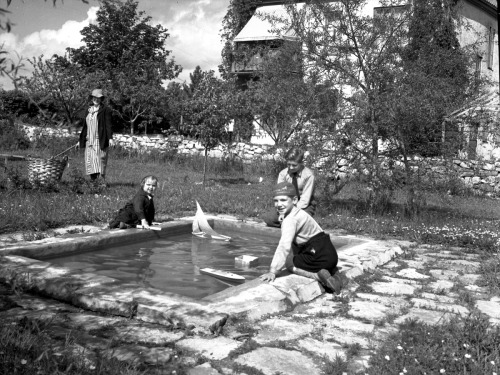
{"x":124,"y":225}
{"x":334,"y":283}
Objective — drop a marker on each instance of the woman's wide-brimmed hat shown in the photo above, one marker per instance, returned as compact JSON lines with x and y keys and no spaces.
{"x":97,"y":93}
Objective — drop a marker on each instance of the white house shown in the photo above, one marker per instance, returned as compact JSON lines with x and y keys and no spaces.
{"x":480,"y":23}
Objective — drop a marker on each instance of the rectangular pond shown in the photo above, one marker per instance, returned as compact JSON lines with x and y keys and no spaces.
{"x":172,"y":262}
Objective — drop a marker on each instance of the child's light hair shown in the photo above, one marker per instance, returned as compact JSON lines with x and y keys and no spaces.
{"x":148,"y":178}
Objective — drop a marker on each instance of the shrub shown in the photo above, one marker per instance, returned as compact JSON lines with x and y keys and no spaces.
{"x":11,"y":137}
{"x":16,"y":103}
{"x":490,"y":275}
{"x":15,"y":179}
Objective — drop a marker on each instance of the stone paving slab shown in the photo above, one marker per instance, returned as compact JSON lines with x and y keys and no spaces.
{"x":353,"y":325}
{"x":411,"y":273}
{"x":394,"y":302}
{"x":393,"y":288}
{"x":441,"y":285}
{"x":490,"y":308}
{"x":210,"y":348}
{"x":276,"y":329}
{"x":204,"y":369}
{"x":431,"y":317}
{"x":371,"y":311}
{"x":439,"y":306}
{"x":321,"y":348}
{"x":274,"y":360}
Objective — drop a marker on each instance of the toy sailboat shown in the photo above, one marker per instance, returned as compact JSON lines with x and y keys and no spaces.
{"x":202,"y":229}
{"x":223,"y":275}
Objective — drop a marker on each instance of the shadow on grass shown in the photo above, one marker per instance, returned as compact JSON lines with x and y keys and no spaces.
{"x":122,"y":184}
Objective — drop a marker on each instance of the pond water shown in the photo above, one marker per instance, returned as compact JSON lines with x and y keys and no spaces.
{"x":173,"y":263}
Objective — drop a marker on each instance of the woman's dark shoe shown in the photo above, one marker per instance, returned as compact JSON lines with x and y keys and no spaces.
{"x":333,"y":283}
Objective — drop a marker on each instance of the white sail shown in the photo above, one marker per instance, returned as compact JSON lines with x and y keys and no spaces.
{"x":201,"y":228}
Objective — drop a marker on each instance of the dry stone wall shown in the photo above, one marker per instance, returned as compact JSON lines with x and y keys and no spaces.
{"x":482,"y":176}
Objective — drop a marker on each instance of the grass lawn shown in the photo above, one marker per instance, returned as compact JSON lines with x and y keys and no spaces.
{"x":233,"y":188}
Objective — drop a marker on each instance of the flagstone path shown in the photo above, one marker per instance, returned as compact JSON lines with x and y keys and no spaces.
{"x":299,"y":331}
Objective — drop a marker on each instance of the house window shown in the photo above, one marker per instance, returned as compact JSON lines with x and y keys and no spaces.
{"x":491,"y":41}
{"x":479,"y":62}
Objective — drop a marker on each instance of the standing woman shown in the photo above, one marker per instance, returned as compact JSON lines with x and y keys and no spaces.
{"x":96,"y":135}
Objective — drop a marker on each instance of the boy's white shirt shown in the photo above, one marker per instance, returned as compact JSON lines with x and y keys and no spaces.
{"x":298,"y":226}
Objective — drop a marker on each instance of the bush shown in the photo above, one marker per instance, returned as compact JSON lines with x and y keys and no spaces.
{"x":16,"y":103}
{"x":11,"y":137}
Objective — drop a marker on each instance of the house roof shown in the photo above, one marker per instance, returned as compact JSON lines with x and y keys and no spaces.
{"x":259,"y":27}
{"x":489,"y":102}
{"x":492,"y":2}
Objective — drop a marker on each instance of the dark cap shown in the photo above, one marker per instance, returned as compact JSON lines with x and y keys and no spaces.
{"x":285,"y":188}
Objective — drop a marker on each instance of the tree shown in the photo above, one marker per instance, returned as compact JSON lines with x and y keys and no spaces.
{"x":66,"y":86}
{"x":211,"y":107}
{"x":367,"y":59}
{"x":122,"y":37}
{"x":132,"y":53}
{"x":433,"y":64}
{"x":196,"y":77}
{"x":136,"y":99}
{"x":433,"y":82}
{"x":279,"y":97}
{"x":177,"y":100}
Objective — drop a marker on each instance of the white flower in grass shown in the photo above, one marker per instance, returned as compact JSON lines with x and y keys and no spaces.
{"x":467,"y":356}
{"x":442,"y":371}
{"x":23,"y":361}
{"x":387,"y":357}
{"x":493,"y":363}
{"x":400,"y":347}
{"x":404,"y":370}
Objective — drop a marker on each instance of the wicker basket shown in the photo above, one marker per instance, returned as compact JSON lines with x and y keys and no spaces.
{"x":46,"y":171}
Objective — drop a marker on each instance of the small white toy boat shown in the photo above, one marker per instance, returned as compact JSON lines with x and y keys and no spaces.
{"x":138,"y":226}
{"x":223,"y":275}
{"x":202,"y":229}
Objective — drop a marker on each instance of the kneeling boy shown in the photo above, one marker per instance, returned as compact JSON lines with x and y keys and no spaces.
{"x":304,"y":248}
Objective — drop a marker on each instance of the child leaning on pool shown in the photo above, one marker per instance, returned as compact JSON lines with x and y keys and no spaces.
{"x":304,"y":248}
{"x":141,"y":209}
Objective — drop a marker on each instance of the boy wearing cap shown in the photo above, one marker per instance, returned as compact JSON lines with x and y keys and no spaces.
{"x":304,"y":248}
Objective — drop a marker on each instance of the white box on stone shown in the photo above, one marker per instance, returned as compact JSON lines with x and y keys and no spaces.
{"x":246,"y":261}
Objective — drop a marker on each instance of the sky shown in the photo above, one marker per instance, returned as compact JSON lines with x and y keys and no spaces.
{"x":39,"y":28}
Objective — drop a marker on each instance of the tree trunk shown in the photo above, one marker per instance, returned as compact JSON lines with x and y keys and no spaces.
{"x":374,"y":127}
{"x":205,"y":167}
{"x":131,"y":127}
